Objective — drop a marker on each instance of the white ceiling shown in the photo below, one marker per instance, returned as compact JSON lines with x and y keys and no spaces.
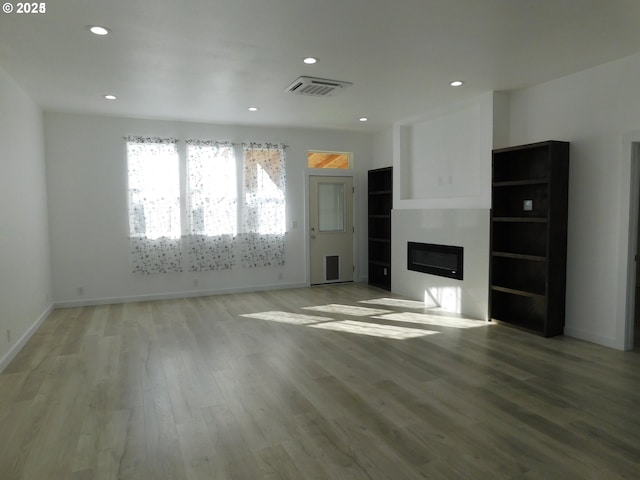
{"x":209,"y":60}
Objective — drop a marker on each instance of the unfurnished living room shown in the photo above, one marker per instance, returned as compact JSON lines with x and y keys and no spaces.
{"x":355,"y":239}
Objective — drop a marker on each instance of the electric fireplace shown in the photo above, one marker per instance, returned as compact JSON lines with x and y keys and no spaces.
{"x":442,"y":260}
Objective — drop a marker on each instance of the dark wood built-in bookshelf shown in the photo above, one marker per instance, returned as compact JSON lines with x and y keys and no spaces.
{"x":529,"y":236}
{"x":380,"y":188}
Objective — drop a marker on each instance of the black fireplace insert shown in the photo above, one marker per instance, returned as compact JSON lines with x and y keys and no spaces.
{"x":442,"y":260}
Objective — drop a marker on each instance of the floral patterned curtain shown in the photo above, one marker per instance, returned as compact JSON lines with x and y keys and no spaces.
{"x":154,"y":204}
{"x":211,"y":205}
{"x":263,"y":208}
{"x":221,"y":225}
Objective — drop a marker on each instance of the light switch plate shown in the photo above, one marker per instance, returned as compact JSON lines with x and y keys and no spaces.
{"x":527,"y":205}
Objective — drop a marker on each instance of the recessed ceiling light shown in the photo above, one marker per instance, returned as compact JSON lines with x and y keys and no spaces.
{"x":456,"y":83}
{"x":98,"y":30}
{"x":363,"y":119}
{"x":310,"y":60}
{"x":253,"y":109}
{"x":110,"y":97}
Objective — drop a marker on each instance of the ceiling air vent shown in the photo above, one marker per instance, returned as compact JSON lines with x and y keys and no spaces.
{"x":316,"y":87}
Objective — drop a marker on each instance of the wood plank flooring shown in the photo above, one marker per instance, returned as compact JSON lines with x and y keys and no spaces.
{"x":337,"y":382}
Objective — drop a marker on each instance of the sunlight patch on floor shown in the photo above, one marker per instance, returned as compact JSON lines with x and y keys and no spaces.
{"x":373,"y":329}
{"x":395,"y":302}
{"x":348,"y":310}
{"x":288,"y":317}
{"x":337,"y":323}
{"x":435,"y":320}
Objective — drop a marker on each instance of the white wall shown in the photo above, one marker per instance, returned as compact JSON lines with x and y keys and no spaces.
{"x":25,"y":276}
{"x":383,"y":149}
{"x":86,"y":164}
{"x":598,"y":111}
{"x":442,"y":159}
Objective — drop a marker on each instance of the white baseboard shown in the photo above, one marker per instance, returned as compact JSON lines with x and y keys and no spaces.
{"x":174,"y":295}
{"x":22,"y":341}
{"x":590,"y":337}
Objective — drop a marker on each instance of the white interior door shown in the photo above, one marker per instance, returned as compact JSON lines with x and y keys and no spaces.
{"x":331,"y":229}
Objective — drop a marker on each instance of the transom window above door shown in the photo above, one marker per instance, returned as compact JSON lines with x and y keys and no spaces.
{"x":335,"y":160}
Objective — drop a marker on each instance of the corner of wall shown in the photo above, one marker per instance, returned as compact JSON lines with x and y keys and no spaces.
{"x":24,"y":231}
{"x":501,"y":119}
{"x":22,"y":341}
{"x":382,"y":149}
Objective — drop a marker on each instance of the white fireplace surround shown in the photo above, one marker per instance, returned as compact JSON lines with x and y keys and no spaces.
{"x":442,"y":195}
{"x":466,"y":228}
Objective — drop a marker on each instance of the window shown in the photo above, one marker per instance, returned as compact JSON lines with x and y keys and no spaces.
{"x":154,"y":188}
{"x":154,"y":204}
{"x":212,"y":187}
{"x":338,"y":160}
{"x":263,"y":209}
{"x":223,"y":218}
{"x":212,"y":205}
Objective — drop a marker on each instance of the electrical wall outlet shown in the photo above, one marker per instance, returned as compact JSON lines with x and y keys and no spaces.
{"x":527,"y":205}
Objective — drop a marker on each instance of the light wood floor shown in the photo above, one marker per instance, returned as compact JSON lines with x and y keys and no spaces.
{"x":224,"y":388}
